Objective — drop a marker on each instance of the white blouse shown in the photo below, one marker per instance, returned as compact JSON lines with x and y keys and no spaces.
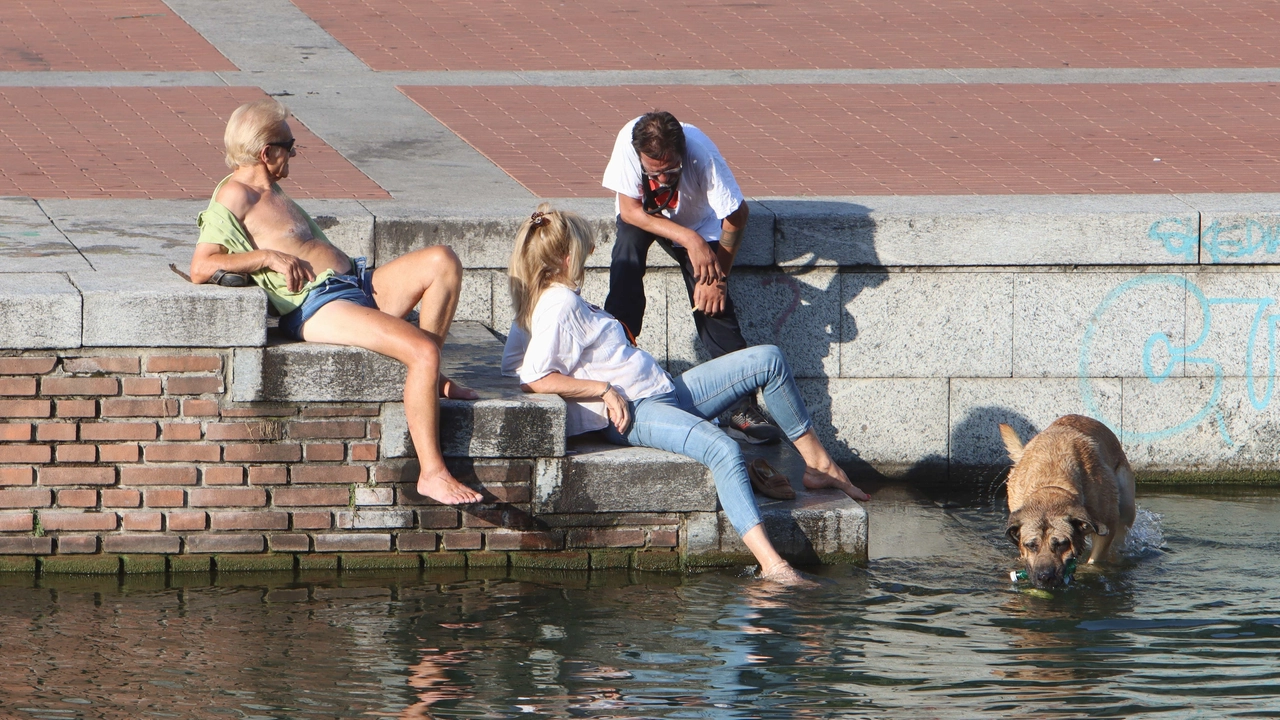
{"x":570,"y":336}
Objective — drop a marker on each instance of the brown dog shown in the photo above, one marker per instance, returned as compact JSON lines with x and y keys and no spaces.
{"x":1069,"y":482}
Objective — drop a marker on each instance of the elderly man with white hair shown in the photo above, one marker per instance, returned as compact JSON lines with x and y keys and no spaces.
{"x":322,"y":295}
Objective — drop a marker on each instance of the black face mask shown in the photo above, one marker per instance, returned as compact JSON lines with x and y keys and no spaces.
{"x":658,"y":197}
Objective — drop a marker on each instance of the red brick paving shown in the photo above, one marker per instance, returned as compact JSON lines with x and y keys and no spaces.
{"x":144,"y":143}
{"x":101,"y":35}
{"x":894,"y":139}
{"x":730,"y":34}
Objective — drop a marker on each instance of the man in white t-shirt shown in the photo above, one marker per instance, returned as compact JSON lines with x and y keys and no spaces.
{"x":673,"y":186}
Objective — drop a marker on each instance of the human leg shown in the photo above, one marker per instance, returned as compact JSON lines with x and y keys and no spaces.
{"x":626,"y":299}
{"x":346,"y":323}
{"x":430,"y":279}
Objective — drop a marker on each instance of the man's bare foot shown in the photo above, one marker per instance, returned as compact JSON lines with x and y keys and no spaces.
{"x":443,"y":488}
{"x":455,"y":391}
{"x":787,"y":576}
{"x":831,"y":476}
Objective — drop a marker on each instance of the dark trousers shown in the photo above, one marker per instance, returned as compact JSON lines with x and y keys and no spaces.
{"x":719,"y":335}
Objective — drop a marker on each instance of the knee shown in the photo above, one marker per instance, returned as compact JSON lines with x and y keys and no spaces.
{"x":769,"y":356}
{"x":442,"y":263}
{"x":423,"y":354}
{"x":720,"y":447}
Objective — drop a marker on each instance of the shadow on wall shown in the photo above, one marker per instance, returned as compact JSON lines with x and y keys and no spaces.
{"x":979,"y":462}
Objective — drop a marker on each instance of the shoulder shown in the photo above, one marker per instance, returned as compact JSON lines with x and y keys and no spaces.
{"x":236,"y":197}
{"x":697,"y":141}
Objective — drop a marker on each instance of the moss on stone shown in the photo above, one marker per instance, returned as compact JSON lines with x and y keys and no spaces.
{"x":17,"y":563}
{"x":718,"y":559}
{"x":81,"y":565}
{"x":141,"y":564}
{"x":652,"y":561}
{"x":568,"y":560}
{"x":190,"y":563}
{"x":380,"y":561}
{"x":317,"y":562}
{"x":265,"y":562}
{"x":610,"y":559}
{"x":487,"y":559}
{"x":444,"y":560}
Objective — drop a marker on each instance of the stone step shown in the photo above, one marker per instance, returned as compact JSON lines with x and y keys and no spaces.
{"x":818,"y":526}
{"x":504,"y":422}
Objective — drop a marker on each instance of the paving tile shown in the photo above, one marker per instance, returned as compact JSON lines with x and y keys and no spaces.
{"x":144,"y":142}
{"x":101,"y":35}
{"x":831,"y":140}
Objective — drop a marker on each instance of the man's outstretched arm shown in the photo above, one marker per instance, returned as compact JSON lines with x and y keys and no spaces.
{"x":209,"y":258}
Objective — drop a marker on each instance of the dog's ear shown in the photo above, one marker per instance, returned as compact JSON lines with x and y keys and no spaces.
{"x":1012,"y":442}
{"x":1014,"y":530}
{"x":1081,"y":521}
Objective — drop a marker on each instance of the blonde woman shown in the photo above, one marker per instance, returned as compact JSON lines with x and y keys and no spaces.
{"x":562,"y":345}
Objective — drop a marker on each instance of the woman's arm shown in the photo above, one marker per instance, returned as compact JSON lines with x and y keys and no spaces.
{"x":574,"y":389}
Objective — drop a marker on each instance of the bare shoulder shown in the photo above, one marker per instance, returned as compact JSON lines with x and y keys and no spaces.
{"x":238,"y":198}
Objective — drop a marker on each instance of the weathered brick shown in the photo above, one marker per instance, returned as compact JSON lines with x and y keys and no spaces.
{"x":605,"y":537}
{"x":439,"y":518}
{"x":118,"y":431}
{"x":259,"y":430}
{"x":165,"y":497}
{"x":24,"y":408}
{"x":417,"y":542}
{"x":507,"y":493}
{"x":463,"y":540}
{"x":129,"y":365}
{"x":77,"y":476}
{"x":364,"y":452}
{"x":536,"y":540}
{"x":289,"y":543}
{"x":309,"y":497}
{"x":141,"y":386}
{"x":375,"y":431}
{"x":491,"y":516}
{"x":180,"y":432}
{"x":25,"y":454}
{"x":260,"y":520}
{"x":225,"y":543}
{"x":193,"y":385}
{"x":17,"y":475}
{"x":186,"y":452}
{"x":366,"y":496}
{"x":142,"y":521}
{"x":26,"y":498}
{"x":77,"y":408}
{"x":312,"y":520}
{"x":486,"y":472}
{"x":188,"y":520}
{"x":27,"y":365}
{"x":152,"y":407}
{"x":227,"y":497}
{"x":26,"y":545}
{"x":488,"y":559}
{"x":78,"y":498}
{"x":325,"y":453}
{"x":121,"y":498}
{"x":373,"y":519}
{"x":263,"y":453}
{"x":656,"y":561}
{"x":268,"y":475}
{"x":664,"y":537}
{"x":18,"y":386}
{"x":195,"y":407}
{"x":157,"y":544}
{"x":76,"y":453}
{"x":20,"y":432}
{"x":123,"y":453}
{"x":326,"y":411}
{"x":157,"y":476}
{"x":56,"y":432}
{"x":316,"y":474}
{"x":81,"y":545}
{"x":184,"y":363}
{"x":17,"y":522}
{"x":353,"y":542}
{"x":79,"y":386}
{"x":259,"y":410}
{"x":330,"y":429}
{"x":224,"y":475}
{"x":71,"y":521}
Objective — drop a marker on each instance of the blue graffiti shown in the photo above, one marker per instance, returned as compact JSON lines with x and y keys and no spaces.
{"x":1261,"y":349}
{"x":1183,"y":238}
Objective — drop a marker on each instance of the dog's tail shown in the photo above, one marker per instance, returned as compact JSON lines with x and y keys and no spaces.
{"x":1012,"y":442}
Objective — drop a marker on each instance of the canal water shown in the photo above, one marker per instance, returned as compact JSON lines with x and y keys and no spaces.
{"x":1187,"y":626}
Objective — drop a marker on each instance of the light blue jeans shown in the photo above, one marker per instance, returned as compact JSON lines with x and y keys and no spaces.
{"x":678,"y":421}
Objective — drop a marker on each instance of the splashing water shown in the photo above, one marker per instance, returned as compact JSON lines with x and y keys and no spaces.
{"x":1146,"y":537}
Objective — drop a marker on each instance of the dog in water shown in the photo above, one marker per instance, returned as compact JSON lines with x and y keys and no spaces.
{"x":1070,"y":482}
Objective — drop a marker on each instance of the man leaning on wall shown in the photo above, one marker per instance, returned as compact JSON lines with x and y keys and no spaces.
{"x":322,"y":295}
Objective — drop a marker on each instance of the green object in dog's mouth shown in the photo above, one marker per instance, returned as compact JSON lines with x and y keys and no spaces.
{"x":1020,"y":576}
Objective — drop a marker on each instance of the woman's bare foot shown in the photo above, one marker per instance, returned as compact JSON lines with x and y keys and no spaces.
{"x":443,"y":488}
{"x":455,"y":391}
{"x":829,"y":475}
{"x":783,"y":574}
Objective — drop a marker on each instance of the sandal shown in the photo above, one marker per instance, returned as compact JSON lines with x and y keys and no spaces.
{"x":769,"y":482}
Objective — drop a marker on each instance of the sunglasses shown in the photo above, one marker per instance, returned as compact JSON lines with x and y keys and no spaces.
{"x":286,"y":144}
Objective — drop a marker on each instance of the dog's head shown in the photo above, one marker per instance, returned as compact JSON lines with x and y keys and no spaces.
{"x":1048,"y":539}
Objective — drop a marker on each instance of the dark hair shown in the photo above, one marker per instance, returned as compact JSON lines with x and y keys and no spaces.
{"x":658,"y":135}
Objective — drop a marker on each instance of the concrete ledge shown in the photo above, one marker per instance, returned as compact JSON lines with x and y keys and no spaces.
{"x":598,"y":477}
{"x":39,"y":310}
{"x":160,"y":309}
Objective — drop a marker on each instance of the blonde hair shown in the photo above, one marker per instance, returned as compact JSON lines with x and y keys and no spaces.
{"x":542,"y":243}
{"x":250,"y":128}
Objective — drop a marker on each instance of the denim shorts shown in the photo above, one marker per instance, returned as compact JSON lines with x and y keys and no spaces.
{"x":356,"y":287}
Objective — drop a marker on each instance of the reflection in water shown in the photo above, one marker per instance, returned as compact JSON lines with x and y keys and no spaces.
{"x":1189,"y":632}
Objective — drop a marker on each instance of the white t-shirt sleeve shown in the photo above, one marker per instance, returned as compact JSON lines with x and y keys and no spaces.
{"x":622,"y":174}
{"x":723,"y":194}
{"x":556,"y":336}
{"x":513,"y":351}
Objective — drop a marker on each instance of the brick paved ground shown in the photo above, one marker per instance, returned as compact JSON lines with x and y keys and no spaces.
{"x":898,"y":139}
{"x":143,"y":143}
{"x":100,"y":35}
{"x":725,"y":34}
